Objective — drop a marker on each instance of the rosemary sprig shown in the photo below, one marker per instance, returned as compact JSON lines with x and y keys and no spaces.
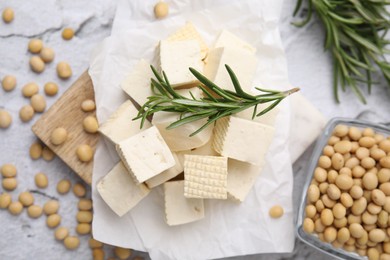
{"x":215,"y":104}
{"x":355,"y":36}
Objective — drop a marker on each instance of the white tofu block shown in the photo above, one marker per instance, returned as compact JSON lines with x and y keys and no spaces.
{"x":241,"y":178}
{"x":120,"y":124}
{"x":177,"y":57}
{"x":145,"y":154}
{"x":229,"y":40}
{"x":267,"y":119}
{"x":119,"y":191}
{"x":206,"y":149}
{"x":137,"y":82}
{"x":307,"y":123}
{"x":167,"y":174}
{"x":189,"y":32}
{"x":243,"y":63}
{"x":242,"y":139}
{"x":178,"y":209}
{"x":205,"y":177}
{"x":178,"y":139}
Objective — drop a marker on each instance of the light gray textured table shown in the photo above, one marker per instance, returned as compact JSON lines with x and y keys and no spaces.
{"x":23,"y":238}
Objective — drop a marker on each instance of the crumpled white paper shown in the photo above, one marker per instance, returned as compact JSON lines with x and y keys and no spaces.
{"x":229,"y":228}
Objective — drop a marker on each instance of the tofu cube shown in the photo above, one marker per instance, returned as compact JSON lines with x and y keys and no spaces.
{"x":178,"y":139}
{"x":229,"y":40}
{"x":176,"y":57}
{"x":119,"y":191}
{"x":120,"y":124}
{"x":179,"y":209}
{"x":145,"y":154}
{"x":241,"y":178}
{"x":189,"y":32}
{"x":206,"y":149}
{"x":243,"y":140}
{"x":167,"y":174}
{"x":205,"y":177}
{"x":243,"y":63}
{"x":137,"y":82}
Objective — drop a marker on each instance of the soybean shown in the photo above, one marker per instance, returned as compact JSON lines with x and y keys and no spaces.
{"x":26,"y":198}
{"x":51,"y":207}
{"x":47,"y":154}
{"x":67,"y":33}
{"x":58,"y":136}
{"x":8,"y":170}
{"x":36,"y":64}
{"x":161,"y":10}
{"x":71,"y":242}
{"x":86,"y":204}
{"x":61,"y":233}
{"x":79,"y":190}
{"x":64,"y":71}
{"x":5,"y":119}
{"x":122,"y":253}
{"x":53,"y":220}
{"x":26,"y":113}
{"x":15,"y":208}
{"x":34,"y":211}
{"x":35,"y":46}
{"x":30,"y":89}
{"x":41,"y":180}
{"x":47,"y":54}
{"x":86,"y":216}
{"x":90,"y":124}
{"x":8,"y":83}
{"x":5,"y":200}
{"x":88,"y":105}
{"x":83,"y":228}
{"x":38,"y":102}
{"x":36,"y":150}
{"x":10,"y":184}
{"x":51,"y":89}
{"x":84,"y":153}
{"x":63,"y":186}
{"x":8,"y":15}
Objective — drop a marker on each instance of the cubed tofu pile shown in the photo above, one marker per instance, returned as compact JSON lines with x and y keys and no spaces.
{"x":221,"y":162}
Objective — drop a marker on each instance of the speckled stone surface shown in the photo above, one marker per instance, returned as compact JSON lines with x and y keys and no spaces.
{"x":22,"y":238}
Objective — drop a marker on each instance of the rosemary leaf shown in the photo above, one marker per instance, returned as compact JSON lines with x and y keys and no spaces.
{"x":216,"y":104}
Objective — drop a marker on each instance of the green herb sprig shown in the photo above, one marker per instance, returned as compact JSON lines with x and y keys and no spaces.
{"x":355,"y":36}
{"x":215,"y":104}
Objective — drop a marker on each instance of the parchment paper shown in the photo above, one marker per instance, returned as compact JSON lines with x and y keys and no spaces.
{"x":229,"y":228}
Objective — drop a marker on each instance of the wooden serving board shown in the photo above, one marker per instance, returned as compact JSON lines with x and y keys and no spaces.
{"x":66,"y":112}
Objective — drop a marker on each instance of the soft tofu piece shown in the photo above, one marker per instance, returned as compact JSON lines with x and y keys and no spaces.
{"x":119,"y":191}
{"x":120,"y":124}
{"x":230,"y":40}
{"x":241,"y":178}
{"x":137,"y":82}
{"x":176,"y":57}
{"x":167,"y":174}
{"x":267,"y":119}
{"x":241,"y":139}
{"x":205,"y":177}
{"x":178,"y":139}
{"x":179,"y":209}
{"x":145,"y":154}
{"x":243,"y":63}
{"x":307,"y":123}
{"x":189,"y":32}
{"x":206,"y":149}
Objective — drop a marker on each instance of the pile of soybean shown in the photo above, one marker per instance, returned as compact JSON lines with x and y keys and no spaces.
{"x":348,"y":200}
